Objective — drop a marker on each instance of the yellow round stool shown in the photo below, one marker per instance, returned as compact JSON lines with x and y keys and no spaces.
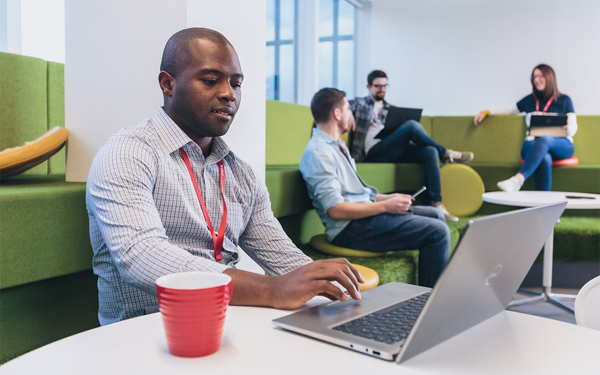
{"x":320,"y":243}
{"x":462,"y":189}
{"x":371,"y":277}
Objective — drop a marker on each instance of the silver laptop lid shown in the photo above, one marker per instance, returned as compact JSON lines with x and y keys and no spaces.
{"x":486,"y":269}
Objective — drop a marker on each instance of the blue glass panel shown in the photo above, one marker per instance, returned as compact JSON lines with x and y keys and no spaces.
{"x":325,"y":18}
{"x":288,"y":16}
{"x":270,"y":65}
{"x":270,"y":20}
{"x":345,"y":70}
{"x":325,"y":64}
{"x":287,"y":87}
{"x":346,"y":18}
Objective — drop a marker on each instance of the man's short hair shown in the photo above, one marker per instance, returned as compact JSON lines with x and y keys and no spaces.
{"x":176,"y":55}
{"x":324,"y":101}
{"x":375,"y":74}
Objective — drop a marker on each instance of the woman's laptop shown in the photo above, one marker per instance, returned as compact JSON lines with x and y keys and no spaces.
{"x":548,"y":125}
{"x":398,"y":321}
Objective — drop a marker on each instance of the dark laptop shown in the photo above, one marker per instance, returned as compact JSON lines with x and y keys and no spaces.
{"x":548,"y":125}
{"x":397,"y":116}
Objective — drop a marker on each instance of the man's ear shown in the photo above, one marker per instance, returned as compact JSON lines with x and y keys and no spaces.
{"x":166,"y":82}
{"x":337,"y":114}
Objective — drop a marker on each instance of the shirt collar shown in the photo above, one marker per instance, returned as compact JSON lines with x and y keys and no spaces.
{"x":174,"y":138}
{"x":320,"y":134}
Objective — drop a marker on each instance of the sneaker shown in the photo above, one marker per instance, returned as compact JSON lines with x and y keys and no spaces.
{"x":449,"y":217}
{"x":462,"y":157}
{"x":510,"y":185}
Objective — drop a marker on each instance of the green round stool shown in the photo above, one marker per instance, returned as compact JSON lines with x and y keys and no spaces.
{"x":320,"y":243}
{"x":462,"y":189}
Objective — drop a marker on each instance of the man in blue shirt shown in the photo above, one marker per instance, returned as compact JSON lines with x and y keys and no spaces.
{"x":355,"y":215}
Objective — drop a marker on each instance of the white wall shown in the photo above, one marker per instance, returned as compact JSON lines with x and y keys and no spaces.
{"x":462,"y":56}
{"x":33,"y":28}
{"x":10,"y":26}
{"x":43,"y":29}
{"x":244,"y":24}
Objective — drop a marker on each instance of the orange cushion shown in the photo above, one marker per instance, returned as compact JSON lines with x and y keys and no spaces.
{"x":562,"y":162}
{"x":16,"y":160}
{"x":370,"y":275}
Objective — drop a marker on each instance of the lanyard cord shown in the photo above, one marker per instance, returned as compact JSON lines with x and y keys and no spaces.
{"x":537,"y":105}
{"x":217,"y":239}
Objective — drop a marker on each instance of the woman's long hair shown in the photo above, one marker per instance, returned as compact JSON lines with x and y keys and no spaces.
{"x":551,"y":90}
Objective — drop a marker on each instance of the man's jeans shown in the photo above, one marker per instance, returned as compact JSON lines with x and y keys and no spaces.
{"x":409,"y":143}
{"x":424,"y":229}
{"x":538,"y":155}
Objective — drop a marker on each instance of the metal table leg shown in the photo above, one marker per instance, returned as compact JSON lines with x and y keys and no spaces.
{"x":546,"y":295}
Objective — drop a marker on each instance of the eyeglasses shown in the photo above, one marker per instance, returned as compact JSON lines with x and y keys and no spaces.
{"x":381,"y":86}
{"x":534,"y":76}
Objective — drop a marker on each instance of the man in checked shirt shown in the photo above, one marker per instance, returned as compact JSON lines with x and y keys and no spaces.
{"x":409,"y":143}
{"x":146,"y":219}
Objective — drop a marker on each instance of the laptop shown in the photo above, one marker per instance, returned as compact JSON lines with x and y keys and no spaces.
{"x":397,"y":116}
{"x":548,"y":125}
{"x":398,"y":321}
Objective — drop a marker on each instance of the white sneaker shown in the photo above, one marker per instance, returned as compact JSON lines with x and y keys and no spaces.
{"x":449,"y":217}
{"x":510,"y":185}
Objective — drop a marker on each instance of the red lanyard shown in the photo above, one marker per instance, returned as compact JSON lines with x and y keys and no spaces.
{"x":537,"y":105}
{"x":217,"y":239}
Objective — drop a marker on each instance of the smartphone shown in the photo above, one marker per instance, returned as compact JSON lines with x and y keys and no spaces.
{"x":419,"y":192}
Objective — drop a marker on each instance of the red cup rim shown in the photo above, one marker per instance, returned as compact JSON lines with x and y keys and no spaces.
{"x":226,"y":280}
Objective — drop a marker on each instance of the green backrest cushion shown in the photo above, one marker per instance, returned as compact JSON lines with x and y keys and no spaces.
{"x":427,"y":123}
{"x":289,"y":128}
{"x":498,"y":139}
{"x":23,"y":102}
{"x":587,"y":140}
{"x":56,"y":111}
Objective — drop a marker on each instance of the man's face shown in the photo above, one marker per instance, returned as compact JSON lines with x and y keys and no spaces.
{"x":206,"y":95}
{"x":378,"y":88}
{"x":346,"y":122}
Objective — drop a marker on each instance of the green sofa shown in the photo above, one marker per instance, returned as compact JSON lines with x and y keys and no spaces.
{"x":47,"y":288}
{"x":496,"y":144}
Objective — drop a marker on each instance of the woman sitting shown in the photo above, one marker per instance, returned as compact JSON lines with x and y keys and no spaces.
{"x":539,"y":152}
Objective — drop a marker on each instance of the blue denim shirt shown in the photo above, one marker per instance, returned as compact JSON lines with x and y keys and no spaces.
{"x":332,"y":179}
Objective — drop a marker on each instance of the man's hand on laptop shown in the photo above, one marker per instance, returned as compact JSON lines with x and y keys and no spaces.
{"x":295,"y":288}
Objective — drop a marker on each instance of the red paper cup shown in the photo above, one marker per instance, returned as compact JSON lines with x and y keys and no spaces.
{"x":193,"y":307}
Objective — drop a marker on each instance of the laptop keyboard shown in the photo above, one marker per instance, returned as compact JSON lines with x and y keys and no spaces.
{"x":390,"y":325}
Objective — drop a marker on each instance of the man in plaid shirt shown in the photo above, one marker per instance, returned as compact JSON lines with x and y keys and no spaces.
{"x":409,"y":143}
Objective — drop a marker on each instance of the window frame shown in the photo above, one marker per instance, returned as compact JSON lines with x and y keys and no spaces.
{"x":278,"y":42}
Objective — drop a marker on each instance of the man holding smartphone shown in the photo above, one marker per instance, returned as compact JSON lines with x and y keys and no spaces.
{"x":354,"y":214}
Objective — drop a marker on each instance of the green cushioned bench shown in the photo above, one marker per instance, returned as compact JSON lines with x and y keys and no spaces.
{"x":496,"y":144}
{"x":47,"y":288}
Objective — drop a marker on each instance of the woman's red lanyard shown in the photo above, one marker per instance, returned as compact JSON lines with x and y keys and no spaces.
{"x":217,"y":239}
{"x":537,"y":105}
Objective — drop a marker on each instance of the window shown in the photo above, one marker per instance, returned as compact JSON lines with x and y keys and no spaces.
{"x":281,"y":50}
{"x":336,"y":45}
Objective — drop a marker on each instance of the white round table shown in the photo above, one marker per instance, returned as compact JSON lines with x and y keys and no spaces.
{"x":580,"y":201}
{"x":503,"y":344}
